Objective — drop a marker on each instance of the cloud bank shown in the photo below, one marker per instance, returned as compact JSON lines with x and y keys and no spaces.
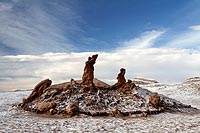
{"x":195,"y":27}
{"x":165,"y":65}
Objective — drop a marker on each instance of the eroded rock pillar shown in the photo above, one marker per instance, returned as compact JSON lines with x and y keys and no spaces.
{"x":38,"y":90}
{"x":88,"y":75}
{"x":120,"y":79}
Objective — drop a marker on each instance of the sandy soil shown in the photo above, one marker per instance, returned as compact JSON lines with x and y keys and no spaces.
{"x":13,"y":120}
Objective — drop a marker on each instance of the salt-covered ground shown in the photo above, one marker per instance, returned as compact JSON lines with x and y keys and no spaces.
{"x":185,"y":93}
{"x":12,"y":120}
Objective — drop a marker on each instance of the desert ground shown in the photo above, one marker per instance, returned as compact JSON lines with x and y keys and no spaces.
{"x":14,"y":120}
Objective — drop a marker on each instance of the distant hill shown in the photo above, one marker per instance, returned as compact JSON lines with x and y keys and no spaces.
{"x":192,"y":80}
{"x":143,"y":81}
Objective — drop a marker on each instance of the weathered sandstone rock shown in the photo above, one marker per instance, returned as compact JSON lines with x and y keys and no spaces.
{"x":45,"y":106}
{"x":127,"y":87}
{"x":120,"y":79}
{"x":88,"y":75}
{"x":72,"y":109}
{"x":154,"y":100}
{"x":38,"y":90}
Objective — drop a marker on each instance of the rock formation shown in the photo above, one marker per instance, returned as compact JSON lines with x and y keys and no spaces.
{"x":38,"y":90}
{"x":75,"y":98}
{"x":120,"y":79}
{"x":88,"y":75}
{"x":127,"y":87}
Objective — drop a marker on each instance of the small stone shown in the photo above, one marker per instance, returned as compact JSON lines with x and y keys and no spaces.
{"x":88,"y":102}
{"x":154,"y":100}
{"x":52,"y":111}
{"x":45,"y":106}
{"x":72,"y":109}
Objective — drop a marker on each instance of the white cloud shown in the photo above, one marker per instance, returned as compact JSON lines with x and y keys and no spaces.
{"x":195,"y":27}
{"x":189,"y":39}
{"x":186,"y":39}
{"x":146,"y":40}
{"x":5,"y":6}
{"x":29,"y":28}
{"x":164,"y":65}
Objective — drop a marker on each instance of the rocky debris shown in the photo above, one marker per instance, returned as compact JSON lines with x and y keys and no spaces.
{"x":88,"y":75}
{"x":154,"y":100}
{"x":95,"y":98}
{"x":88,"y":102}
{"x":128,"y":87}
{"x":38,"y":90}
{"x":125,"y":101}
{"x":143,"y":81}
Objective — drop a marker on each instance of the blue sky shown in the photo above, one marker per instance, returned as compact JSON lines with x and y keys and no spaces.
{"x":46,"y":38}
{"x":38,"y":26}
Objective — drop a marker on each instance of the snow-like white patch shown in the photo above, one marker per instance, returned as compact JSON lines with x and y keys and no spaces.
{"x":186,"y":93}
{"x":13,"y":120}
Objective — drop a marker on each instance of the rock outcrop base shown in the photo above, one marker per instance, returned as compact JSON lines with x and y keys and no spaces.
{"x":78,"y":99}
